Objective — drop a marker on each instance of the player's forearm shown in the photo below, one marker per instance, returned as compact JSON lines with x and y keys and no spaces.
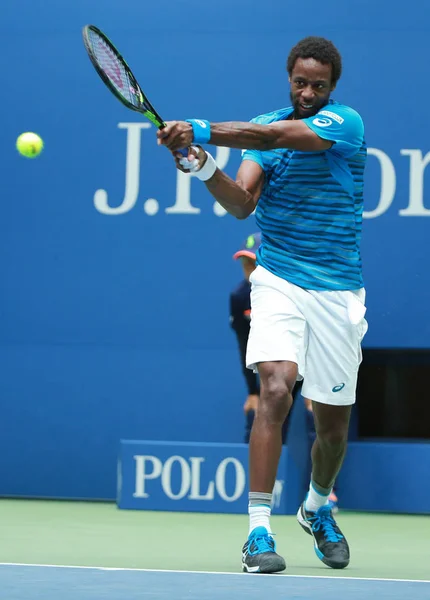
{"x":293,"y":134}
{"x":233,"y":198}
{"x":281,"y":134}
{"x":235,"y":134}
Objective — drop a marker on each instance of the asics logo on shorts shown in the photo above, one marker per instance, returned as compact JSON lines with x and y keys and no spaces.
{"x":338,"y":387}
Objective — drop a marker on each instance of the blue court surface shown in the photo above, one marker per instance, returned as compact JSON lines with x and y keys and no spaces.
{"x":31,"y":582}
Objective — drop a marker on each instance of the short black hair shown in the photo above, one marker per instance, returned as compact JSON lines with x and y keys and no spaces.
{"x":320,"y":49}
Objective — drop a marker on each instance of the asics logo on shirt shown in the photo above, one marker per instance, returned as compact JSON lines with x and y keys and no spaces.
{"x":322,"y":122}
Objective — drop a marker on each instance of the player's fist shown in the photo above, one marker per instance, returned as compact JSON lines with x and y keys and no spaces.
{"x":193,"y":162}
{"x":175,"y":135}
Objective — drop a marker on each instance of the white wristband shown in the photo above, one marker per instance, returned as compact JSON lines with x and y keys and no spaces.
{"x":208,"y":169}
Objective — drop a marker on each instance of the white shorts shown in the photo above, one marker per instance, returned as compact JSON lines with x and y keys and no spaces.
{"x":319,"y":331}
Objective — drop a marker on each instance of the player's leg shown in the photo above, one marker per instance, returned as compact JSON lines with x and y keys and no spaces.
{"x":329,"y":448}
{"x":275,"y":347}
{"x":332,"y":362}
{"x":277,"y":380}
{"x":315,"y":514}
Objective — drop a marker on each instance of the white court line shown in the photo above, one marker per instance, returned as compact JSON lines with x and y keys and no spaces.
{"x":5,"y":564}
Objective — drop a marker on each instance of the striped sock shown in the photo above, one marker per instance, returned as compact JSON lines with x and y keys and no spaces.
{"x":259,"y":509}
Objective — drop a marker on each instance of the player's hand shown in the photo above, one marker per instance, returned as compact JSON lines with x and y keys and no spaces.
{"x":308,"y":405}
{"x":176,"y":135}
{"x":193,"y":162}
{"x":251,"y":403}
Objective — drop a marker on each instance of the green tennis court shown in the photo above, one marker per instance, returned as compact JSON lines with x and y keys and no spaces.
{"x":98,"y":534}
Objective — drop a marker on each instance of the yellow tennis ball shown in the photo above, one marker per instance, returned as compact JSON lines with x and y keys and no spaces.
{"x":29,"y":144}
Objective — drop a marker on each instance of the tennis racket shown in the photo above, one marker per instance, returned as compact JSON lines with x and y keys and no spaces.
{"x":117,"y":75}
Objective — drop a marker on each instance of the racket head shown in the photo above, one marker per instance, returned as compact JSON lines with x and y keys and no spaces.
{"x":116,"y":74}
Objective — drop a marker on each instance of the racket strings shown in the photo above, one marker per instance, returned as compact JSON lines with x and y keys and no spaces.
{"x":117,"y":75}
{"x":114,"y":69}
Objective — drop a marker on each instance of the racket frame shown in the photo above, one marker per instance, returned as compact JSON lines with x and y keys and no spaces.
{"x":145,"y":107}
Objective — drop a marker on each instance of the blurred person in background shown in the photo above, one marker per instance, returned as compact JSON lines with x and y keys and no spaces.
{"x":240,"y":317}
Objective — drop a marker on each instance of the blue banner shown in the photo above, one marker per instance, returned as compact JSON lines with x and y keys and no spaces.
{"x":117,"y":268}
{"x":190,"y":477}
{"x":386,"y":477}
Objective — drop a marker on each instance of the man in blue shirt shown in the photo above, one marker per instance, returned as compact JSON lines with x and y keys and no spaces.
{"x":302,"y":173}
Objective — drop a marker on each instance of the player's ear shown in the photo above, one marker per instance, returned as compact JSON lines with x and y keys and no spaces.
{"x":333,"y":87}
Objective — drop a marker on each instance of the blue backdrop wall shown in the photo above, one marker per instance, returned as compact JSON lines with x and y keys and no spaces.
{"x":116,"y":269}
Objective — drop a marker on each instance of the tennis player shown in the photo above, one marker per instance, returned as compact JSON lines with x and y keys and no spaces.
{"x":302,"y":170}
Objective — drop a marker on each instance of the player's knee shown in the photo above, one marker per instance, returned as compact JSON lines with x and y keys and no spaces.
{"x":275,"y":399}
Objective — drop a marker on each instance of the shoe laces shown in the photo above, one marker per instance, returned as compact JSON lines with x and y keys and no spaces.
{"x":263,"y":543}
{"x":323,"y":520}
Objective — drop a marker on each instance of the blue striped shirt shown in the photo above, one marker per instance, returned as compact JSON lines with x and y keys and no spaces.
{"x":311,"y":206}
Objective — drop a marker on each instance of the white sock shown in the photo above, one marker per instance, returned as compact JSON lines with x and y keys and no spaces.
{"x":259,"y":510}
{"x":315,"y":499}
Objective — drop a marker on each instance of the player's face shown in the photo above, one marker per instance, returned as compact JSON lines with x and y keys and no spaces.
{"x":311,"y":87}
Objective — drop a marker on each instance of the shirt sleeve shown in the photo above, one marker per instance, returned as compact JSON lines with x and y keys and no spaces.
{"x":341,"y":125}
{"x":254,"y":155}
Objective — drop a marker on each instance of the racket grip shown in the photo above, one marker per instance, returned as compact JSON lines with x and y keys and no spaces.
{"x":183,"y":151}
